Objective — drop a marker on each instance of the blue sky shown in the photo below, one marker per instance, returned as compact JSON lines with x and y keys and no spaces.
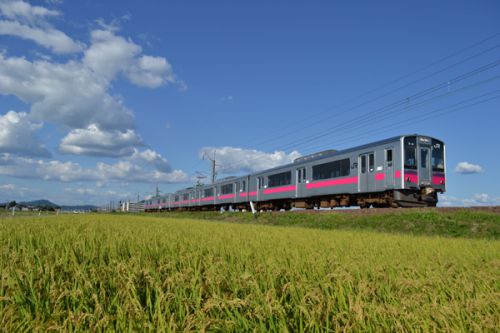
{"x":102,"y":100}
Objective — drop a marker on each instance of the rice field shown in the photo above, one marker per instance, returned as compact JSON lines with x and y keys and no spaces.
{"x":138,"y":273}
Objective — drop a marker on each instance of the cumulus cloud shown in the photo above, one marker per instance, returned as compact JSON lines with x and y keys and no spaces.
{"x":17,"y":135}
{"x":21,"y":10}
{"x":76,"y":93}
{"x":7,"y":187}
{"x":23,"y":167}
{"x":231,"y":159}
{"x":151,"y":157}
{"x":467,"y":168}
{"x":110,"y":55}
{"x":69,"y":94}
{"x":479,"y":199}
{"x":28,"y":22}
{"x":96,"y":142}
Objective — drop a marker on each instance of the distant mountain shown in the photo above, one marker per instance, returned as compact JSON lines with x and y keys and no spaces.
{"x":39,"y":203}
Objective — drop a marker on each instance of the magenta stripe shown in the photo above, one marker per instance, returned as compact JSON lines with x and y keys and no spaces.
{"x":207,"y":199}
{"x":252,"y":193}
{"x":397,"y":174}
{"x":411,"y":176}
{"x":280,"y":189}
{"x":379,"y":176}
{"x":438,"y":180}
{"x":226,"y":196}
{"x":333,"y":182}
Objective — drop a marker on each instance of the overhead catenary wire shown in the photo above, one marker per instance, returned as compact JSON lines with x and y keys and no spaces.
{"x":425,"y":116}
{"x":402,"y":101}
{"x":314,"y":116}
{"x":391,"y":108}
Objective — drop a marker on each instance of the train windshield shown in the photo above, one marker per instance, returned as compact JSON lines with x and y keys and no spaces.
{"x":437,"y":155}
{"x":410,"y":147}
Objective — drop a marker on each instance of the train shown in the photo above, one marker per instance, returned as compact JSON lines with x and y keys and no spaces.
{"x":402,"y":171}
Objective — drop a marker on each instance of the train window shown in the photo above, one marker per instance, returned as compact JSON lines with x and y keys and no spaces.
{"x":389,"y":155}
{"x":333,"y":169}
{"x":244,"y":186}
{"x":176,"y":198}
{"x":226,"y":189}
{"x":371,"y":163}
{"x":280,"y":179}
{"x":185,"y":196}
{"x":299,"y":175}
{"x":410,"y":144}
{"x":260,"y":182}
{"x":208,"y":192}
{"x":424,"y":158}
{"x":237,"y":186}
{"x":363,"y":164}
{"x":437,"y":155}
{"x":304,"y":174}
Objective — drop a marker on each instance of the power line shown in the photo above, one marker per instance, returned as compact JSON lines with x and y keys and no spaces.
{"x":313,"y":116}
{"x":422,"y":117}
{"x":383,"y":112}
{"x":398,"y":103}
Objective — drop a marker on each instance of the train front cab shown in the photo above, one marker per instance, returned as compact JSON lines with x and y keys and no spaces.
{"x":423,"y":175}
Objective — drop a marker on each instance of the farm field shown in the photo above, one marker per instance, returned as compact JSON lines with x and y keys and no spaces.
{"x":157,"y":273}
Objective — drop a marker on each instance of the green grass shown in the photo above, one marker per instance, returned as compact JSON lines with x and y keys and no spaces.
{"x":457,"y":223}
{"x":137,"y":273}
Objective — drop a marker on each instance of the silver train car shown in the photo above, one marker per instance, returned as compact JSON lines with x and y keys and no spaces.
{"x":403,"y":171}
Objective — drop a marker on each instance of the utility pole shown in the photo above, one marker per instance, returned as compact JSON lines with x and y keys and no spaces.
{"x":157,"y":191}
{"x":212,"y":160}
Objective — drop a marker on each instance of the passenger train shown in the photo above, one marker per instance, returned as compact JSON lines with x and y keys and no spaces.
{"x":403,"y":171}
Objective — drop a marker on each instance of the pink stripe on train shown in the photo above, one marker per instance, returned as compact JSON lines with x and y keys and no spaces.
{"x":226,"y":196}
{"x":438,"y":180}
{"x":333,"y":182}
{"x":280,"y":189}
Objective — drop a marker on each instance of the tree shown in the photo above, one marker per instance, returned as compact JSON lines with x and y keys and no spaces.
{"x":12,"y":204}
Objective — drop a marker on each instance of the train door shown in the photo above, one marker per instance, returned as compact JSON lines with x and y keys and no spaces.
{"x":425,"y":170}
{"x":389,"y":167}
{"x":300,"y":180}
{"x":260,"y":187}
{"x":366,"y":178}
{"x":236,"y":191}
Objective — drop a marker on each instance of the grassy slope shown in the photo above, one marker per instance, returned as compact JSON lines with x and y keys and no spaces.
{"x":458,"y":223}
{"x":138,"y":273}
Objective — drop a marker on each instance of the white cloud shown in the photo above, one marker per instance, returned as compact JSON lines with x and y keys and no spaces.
{"x":28,"y":22}
{"x":110,"y":55}
{"x":7,"y":187}
{"x":50,"y":38}
{"x":69,"y":94}
{"x":468,"y":168}
{"x":22,"y":167}
{"x":228,"y":98}
{"x":96,"y":142}
{"x":479,"y":199}
{"x":231,"y":159}
{"x":22,"y":10}
{"x":17,"y":135}
{"x":153,"y":158}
